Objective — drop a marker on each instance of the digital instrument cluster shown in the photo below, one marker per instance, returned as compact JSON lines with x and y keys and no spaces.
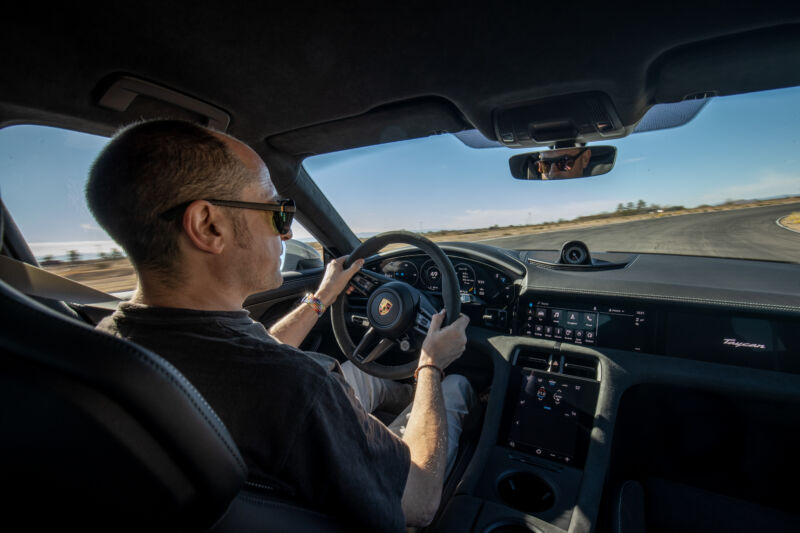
{"x":480,"y":283}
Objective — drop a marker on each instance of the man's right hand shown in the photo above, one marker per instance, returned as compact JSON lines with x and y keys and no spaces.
{"x":442,"y":346}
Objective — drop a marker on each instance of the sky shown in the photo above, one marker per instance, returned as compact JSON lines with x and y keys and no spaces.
{"x":738,"y":147}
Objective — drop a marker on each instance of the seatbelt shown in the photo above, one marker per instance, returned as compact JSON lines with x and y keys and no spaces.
{"x":40,"y":283}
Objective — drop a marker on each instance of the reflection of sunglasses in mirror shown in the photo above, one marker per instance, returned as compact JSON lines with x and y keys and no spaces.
{"x":563,"y":163}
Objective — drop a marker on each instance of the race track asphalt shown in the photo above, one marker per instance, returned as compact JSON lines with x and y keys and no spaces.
{"x":742,"y":233}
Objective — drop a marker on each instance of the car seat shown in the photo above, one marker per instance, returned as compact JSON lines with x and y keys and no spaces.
{"x":99,"y":433}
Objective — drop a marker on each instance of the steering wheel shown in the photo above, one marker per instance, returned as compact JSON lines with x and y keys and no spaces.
{"x":397,"y":313}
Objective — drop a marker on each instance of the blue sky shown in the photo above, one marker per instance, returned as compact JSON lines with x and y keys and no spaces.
{"x":738,"y":147}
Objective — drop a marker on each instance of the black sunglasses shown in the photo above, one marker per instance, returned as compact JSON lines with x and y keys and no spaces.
{"x":282,"y":212}
{"x":563,"y":163}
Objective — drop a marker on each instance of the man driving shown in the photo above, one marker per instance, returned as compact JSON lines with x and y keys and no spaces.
{"x":563,"y":163}
{"x":200,"y":220}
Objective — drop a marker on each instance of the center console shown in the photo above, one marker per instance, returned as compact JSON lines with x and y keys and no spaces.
{"x":536,"y":467}
{"x":549,"y":415}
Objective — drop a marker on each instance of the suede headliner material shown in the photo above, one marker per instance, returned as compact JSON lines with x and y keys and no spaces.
{"x":281,"y":68}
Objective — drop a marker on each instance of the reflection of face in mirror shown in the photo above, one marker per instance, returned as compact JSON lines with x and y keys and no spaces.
{"x":564,"y":163}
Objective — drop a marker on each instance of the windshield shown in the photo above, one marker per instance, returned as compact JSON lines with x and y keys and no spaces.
{"x":726,"y":184}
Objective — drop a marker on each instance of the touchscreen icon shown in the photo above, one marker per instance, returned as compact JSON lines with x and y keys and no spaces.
{"x":541,"y":393}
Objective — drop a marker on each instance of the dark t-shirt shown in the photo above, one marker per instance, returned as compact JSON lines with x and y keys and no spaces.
{"x":291,"y":413}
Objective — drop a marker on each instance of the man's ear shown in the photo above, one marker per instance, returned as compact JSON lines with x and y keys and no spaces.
{"x":206,"y":227}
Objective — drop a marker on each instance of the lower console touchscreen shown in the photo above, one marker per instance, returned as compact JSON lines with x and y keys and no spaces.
{"x":549,"y":415}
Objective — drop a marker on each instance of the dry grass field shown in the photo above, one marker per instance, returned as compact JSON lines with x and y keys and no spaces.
{"x":107,"y":275}
{"x":117,"y":275}
{"x":792,"y":221}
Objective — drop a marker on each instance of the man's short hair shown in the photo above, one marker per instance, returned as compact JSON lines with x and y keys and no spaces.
{"x":150,"y":167}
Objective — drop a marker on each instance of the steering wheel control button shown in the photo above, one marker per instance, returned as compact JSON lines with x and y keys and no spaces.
{"x":363,"y":284}
{"x":359,"y":320}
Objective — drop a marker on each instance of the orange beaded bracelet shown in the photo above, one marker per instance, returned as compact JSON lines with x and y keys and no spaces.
{"x":416,"y":372}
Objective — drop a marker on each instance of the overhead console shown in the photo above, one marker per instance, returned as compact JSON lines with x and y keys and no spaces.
{"x":580,"y":118}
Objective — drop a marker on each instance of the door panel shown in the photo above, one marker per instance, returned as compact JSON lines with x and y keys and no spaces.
{"x":270,"y":306}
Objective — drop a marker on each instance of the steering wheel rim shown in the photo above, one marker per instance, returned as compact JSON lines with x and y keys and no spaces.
{"x":450,"y":295}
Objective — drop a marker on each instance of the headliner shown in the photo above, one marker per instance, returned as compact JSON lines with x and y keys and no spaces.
{"x":286,"y":73}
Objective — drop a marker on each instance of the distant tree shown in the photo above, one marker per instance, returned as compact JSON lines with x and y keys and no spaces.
{"x":115,"y":253}
{"x":103,"y":255}
{"x":620,"y":207}
{"x":629,"y":206}
{"x":47,"y":258}
{"x":641,"y":204}
{"x":73,"y":256}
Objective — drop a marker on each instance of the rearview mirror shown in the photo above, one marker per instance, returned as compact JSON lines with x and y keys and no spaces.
{"x":564,"y":163}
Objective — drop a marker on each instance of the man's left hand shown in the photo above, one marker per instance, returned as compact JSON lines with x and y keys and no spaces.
{"x":336,"y":279}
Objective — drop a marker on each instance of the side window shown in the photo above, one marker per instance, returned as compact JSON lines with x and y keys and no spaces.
{"x":43,"y":174}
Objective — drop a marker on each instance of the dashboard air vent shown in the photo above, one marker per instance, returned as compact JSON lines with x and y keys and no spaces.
{"x":582,"y":366}
{"x":534,"y":360}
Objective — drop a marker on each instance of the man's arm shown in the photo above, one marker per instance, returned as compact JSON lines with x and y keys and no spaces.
{"x":294,"y":327}
{"x":426,"y":431}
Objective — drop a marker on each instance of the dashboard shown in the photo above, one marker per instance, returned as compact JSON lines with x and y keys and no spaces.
{"x":501,"y":294}
{"x":579,"y":356}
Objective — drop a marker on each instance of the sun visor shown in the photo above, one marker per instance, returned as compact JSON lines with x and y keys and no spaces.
{"x":389,"y":123}
{"x":665,"y":116}
{"x":747,"y":62}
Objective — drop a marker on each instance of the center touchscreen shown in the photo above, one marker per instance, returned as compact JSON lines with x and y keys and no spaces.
{"x":611,"y":326}
{"x":550,"y":415}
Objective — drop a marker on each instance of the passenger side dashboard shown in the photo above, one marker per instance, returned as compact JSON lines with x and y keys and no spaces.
{"x":712,"y":338}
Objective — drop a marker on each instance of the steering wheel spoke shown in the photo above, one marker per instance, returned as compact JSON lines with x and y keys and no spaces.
{"x":369,"y":337}
{"x":422,"y":322}
{"x":365,"y":282}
